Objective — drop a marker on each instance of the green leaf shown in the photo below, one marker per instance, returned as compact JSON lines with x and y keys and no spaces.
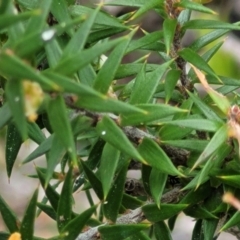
{"x":4,"y":236}
{"x":139,"y":236}
{"x":191,"y":144}
{"x":48,"y":210}
{"x":76,"y":43}
{"x":52,"y":195}
{"x":231,"y":180}
{"x":130,"y":3}
{"x":130,"y":202}
{"x":109,"y":161}
{"x":198,"y":231}
{"x":77,"y":61}
{"x":157,"y":183}
{"x":207,"y":112}
{"x":9,"y":217}
{"x":114,"y":198}
{"x":169,"y":27}
{"x":59,"y":121}
{"x":216,"y":142}
{"x":35,"y":132}
{"x":209,"y":228}
{"x":154,"y":214}
{"x":59,"y":9}
{"x":53,"y":52}
{"x":5,"y":114}
{"x":14,"y":92}
{"x":156,"y":157}
{"x":233,"y":221}
{"x":75,"y":226}
{"x":111,"y":133}
{"x":44,"y":147}
{"x":206,"y":39}
{"x":197,"y":211}
{"x":64,"y":212}
{"x":170,"y":83}
{"x":151,"y":112}
{"x":194,"y":6}
{"x":107,"y":72}
{"x":193,"y":58}
{"x":161,"y":231}
{"x":13,"y":144}
{"x":94,"y":181}
{"x":120,"y":231}
{"x":209,"y":24}
{"x":27,"y":225}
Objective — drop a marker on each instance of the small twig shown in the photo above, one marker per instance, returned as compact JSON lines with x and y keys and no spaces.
{"x":132,"y":217}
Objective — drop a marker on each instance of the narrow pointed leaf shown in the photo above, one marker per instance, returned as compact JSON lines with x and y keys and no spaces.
{"x":14,"y":92}
{"x":161,"y":231}
{"x":75,"y":226}
{"x":53,"y":52}
{"x":94,"y":181}
{"x":113,"y":201}
{"x":27,"y":225}
{"x":169,"y":26}
{"x":111,"y":133}
{"x":107,"y":72}
{"x":196,"y":60}
{"x":198,"y":231}
{"x":152,"y":112}
{"x":120,"y":231}
{"x":216,"y":142}
{"x":9,"y":217}
{"x":156,"y":157}
{"x":48,"y":210}
{"x":197,"y":211}
{"x":233,"y":221}
{"x":13,"y":144}
{"x":59,"y":121}
{"x":157,"y":183}
{"x":170,"y":83}
{"x":109,"y":160}
{"x":154,"y":214}
{"x":64,"y":211}
{"x":35,"y":132}
{"x":231,"y":180}
{"x":5,"y":114}
{"x":209,"y":228}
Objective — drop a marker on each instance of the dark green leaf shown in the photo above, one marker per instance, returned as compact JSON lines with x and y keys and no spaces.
{"x":169,"y":26}
{"x":154,"y":214}
{"x":5,"y":114}
{"x":35,"y":132}
{"x":198,"y":231}
{"x":233,"y":221}
{"x":170,"y":83}
{"x":161,"y":231}
{"x":120,"y":231}
{"x":27,"y":225}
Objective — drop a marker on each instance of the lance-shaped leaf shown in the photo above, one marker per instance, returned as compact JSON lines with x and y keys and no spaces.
{"x":154,"y":214}
{"x":44,"y":147}
{"x":197,"y":211}
{"x":231,"y":180}
{"x":233,"y":221}
{"x":157,"y":183}
{"x":94,"y":180}
{"x":54,"y":156}
{"x":75,"y":226}
{"x":35,"y":132}
{"x":220,"y":100}
{"x":13,"y":144}
{"x":60,"y":123}
{"x":52,"y":195}
{"x":130,"y":3}
{"x":64,"y":212}
{"x":152,"y":112}
{"x":161,"y":231}
{"x":111,"y":133}
{"x":170,"y":83}
{"x":14,"y":92}
{"x":208,"y":112}
{"x":107,"y":72}
{"x":5,"y":114}
{"x":169,"y":26}
{"x":113,"y":201}
{"x":9,"y":217}
{"x":109,"y":160}
{"x":121,"y":231}
{"x":197,"y":233}
{"x":209,"y":228}
{"x":48,"y":210}
{"x":195,"y":6}
{"x":196,"y":60}
{"x":156,"y":157}
{"x":216,"y":142}
{"x":27,"y":225}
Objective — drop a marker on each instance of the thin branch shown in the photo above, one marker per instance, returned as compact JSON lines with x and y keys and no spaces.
{"x":132,"y":217}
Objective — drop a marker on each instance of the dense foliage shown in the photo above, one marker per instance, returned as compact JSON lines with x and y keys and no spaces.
{"x":60,"y":66}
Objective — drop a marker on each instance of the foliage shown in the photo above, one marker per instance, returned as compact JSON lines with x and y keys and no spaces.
{"x":60,"y":66}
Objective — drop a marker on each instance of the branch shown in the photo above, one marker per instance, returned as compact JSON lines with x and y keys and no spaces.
{"x":132,"y":217}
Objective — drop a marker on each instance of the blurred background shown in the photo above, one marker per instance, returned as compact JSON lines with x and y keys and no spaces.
{"x":18,"y":190}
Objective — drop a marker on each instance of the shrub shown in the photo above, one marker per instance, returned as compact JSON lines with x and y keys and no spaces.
{"x":60,"y":66}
